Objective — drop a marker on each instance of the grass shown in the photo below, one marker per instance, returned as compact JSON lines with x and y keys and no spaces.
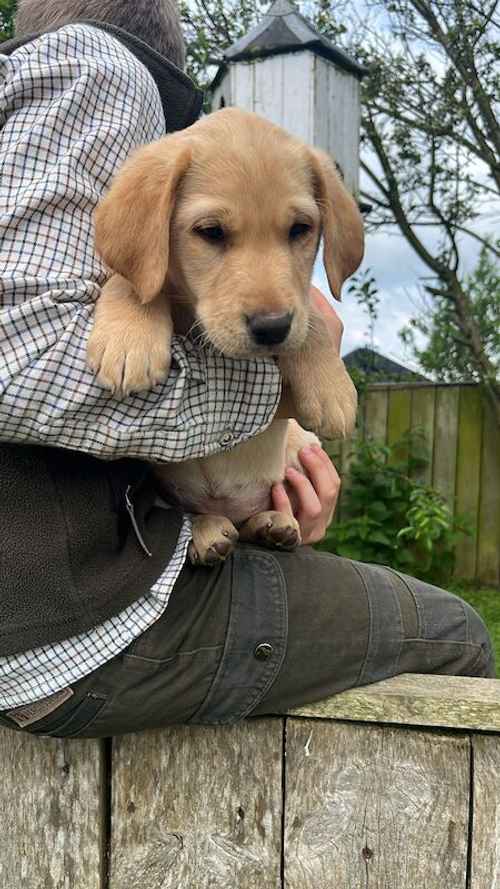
{"x":486,"y":601}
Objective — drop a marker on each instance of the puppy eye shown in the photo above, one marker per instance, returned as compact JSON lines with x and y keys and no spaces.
{"x":298,"y":230}
{"x":213,"y":233}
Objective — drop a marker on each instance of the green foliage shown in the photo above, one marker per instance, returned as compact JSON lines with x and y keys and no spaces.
{"x":394,"y":519}
{"x":486,"y":601}
{"x":364,"y":289}
{"x":446,"y":354}
{"x":210,"y":26}
{"x":7,"y":9}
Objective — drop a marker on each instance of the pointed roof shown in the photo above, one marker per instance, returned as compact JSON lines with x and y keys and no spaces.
{"x":380,"y":368}
{"x":283,"y":29}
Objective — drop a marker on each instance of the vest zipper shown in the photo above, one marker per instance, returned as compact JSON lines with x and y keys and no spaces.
{"x":135,"y":526}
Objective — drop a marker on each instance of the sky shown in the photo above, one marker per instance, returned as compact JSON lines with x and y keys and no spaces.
{"x":396,"y":271}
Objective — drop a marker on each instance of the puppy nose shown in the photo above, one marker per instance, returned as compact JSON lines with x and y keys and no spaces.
{"x":270,"y":329}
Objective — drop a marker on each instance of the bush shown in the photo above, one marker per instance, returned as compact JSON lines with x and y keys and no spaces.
{"x":392,"y":519}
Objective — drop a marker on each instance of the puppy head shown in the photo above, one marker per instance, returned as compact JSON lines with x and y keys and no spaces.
{"x":229,"y":214}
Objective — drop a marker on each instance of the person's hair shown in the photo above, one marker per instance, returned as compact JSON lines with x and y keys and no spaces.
{"x":156,"y":22}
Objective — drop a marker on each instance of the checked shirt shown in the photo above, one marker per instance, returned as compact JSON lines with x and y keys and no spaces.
{"x":73,"y":105}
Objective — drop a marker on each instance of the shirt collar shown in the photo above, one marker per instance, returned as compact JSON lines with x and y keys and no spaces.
{"x":181,"y":100}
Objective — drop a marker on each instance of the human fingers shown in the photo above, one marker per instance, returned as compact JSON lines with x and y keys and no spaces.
{"x":323,"y":476}
{"x":280,"y":499}
{"x":308,"y":510}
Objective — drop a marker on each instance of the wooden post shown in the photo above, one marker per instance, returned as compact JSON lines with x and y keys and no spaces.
{"x":392,"y":786}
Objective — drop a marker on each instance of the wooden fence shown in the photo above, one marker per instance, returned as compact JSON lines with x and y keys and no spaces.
{"x":464,"y":448}
{"x":394,"y":786}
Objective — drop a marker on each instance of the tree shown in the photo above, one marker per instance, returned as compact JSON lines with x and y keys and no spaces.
{"x":430,"y":137}
{"x":444,"y":353}
{"x":431,"y":125}
{"x":7,"y":9}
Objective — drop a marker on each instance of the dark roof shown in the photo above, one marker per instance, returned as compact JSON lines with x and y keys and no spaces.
{"x":282,"y":30}
{"x":383,"y":369}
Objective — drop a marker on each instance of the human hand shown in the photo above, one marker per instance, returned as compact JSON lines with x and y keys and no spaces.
{"x":310,"y":497}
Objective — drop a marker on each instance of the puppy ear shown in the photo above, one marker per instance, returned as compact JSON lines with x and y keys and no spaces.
{"x":341,"y":221}
{"x":132,"y":222}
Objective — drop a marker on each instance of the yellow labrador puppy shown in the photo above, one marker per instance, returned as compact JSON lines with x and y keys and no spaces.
{"x":219,"y":226}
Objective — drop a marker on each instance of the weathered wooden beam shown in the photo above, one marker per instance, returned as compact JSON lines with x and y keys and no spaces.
{"x":377,"y":807}
{"x":485,"y":870}
{"x":198,"y":808}
{"x":51,"y":813}
{"x":417,"y":699}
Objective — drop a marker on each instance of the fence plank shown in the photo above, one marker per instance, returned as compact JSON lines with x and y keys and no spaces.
{"x":347,"y":456}
{"x":445,"y":442}
{"x":367,"y":806}
{"x":468,"y":476}
{"x":423,"y":404}
{"x":489,"y":510}
{"x":376,"y":407}
{"x":398,"y":421}
{"x":198,"y":807}
{"x":465,"y":702}
{"x":51,"y":812}
{"x":485,"y":871}
{"x":334,"y":450}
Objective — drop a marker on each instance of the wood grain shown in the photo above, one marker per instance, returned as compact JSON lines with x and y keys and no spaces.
{"x":378,"y":808}
{"x":468,"y":476}
{"x":376,"y":410}
{"x":51,"y":812}
{"x":418,"y":699}
{"x":445,"y":442}
{"x":485,"y":870}
{"x":198,"y":808}
{"x":423,"y":405}
{"x":398,"y":422}
{"x":488,"y":534}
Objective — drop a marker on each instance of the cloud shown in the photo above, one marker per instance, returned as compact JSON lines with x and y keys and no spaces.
{"x":397,"y":271}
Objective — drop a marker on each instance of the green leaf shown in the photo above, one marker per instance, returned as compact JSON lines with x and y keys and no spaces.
{"x":380,"y":537}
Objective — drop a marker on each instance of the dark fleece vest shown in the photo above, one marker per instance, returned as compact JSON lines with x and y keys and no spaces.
{"x":81,"y":538}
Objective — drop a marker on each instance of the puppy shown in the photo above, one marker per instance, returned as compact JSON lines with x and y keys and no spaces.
{"x":216,"y":229}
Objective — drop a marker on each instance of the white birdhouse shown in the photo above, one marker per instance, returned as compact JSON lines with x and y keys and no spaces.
{"x":285,"y":70}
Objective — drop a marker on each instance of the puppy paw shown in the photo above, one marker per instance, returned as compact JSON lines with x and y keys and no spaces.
{"x":327,"y":405}
{"x":126,"y":360}
{"x":277,"y":530}
{"x":214,"y":539}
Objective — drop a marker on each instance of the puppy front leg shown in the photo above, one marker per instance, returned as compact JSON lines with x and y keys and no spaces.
{"x":277,"y":530}
{"x":129,"y":346}
{"x":323,"y":393}
{"x":214,"y":538}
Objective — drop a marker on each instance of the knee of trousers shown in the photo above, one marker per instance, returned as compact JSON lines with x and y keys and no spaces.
{"x":479,"y":635}
{"x":444,"y":618}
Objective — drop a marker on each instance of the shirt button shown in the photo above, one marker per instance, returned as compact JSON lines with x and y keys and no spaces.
{"x":227,"y":438}
{"x":263,"y":651}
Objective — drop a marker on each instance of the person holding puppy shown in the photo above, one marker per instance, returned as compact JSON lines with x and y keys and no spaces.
{"x":97,"y":636}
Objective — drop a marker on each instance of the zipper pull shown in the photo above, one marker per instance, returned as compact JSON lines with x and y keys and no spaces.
{"x":131,"y":512}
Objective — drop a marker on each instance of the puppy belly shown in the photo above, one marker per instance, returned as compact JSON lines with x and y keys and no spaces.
{"x":237,"y":506}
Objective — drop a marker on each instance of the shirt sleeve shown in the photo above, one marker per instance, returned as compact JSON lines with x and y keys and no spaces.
{"x":73,"y":105}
